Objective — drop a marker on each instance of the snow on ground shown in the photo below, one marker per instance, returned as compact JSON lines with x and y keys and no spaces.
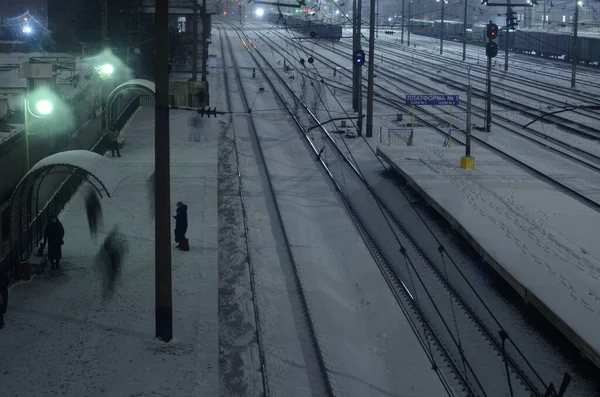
{"x":369,"y":347}
{"x":60,"y":339}
{"x":542,"y":237}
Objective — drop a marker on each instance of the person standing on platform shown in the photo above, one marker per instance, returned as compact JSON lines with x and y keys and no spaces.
{"x":93,"y":209}
{"x":53,"y":237}
{"x":181,"y":224}
{"x":113,"y":140}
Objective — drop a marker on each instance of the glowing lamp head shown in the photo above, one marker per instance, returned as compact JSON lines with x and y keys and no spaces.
{"x":44,"y":107}
{"x":260,"y":12}
{"x":27,"y":29}
{"x":107,"y":68}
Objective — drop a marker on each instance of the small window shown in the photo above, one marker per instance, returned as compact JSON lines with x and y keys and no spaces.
{"x":564,"y":18}
{"x":181,"y":24}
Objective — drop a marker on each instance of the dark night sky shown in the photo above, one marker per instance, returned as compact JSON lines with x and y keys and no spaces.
{"x":12,"y":8}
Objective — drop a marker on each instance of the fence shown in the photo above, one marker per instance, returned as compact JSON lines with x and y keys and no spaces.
{"x":30,"y":239}
{"x":396,"y":136}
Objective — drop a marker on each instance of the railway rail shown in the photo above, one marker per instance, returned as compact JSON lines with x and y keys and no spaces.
{"x":480,"y":367}
{"x":320,"y":383}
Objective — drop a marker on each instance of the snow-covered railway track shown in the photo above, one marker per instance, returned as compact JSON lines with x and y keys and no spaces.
{"x":315,"y":365}
{"x":418,"y":283}
{"x":386,"y":94}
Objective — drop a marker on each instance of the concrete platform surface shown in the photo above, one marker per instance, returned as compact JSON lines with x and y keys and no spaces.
{"x":541,"y":240}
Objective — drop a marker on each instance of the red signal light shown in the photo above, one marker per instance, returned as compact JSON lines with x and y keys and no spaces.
{"x":224,"y":12}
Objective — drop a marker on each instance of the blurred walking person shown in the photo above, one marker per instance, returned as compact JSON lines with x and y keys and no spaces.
{"x":93,"y":209}
{"x":53,"y":237}
{"x":109,"y":260}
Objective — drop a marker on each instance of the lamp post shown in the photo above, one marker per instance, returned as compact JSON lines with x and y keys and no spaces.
{"x":105,"y":71}
{"x":43,"y":108}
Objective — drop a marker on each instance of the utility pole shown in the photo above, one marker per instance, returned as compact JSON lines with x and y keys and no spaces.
{"x":104,"y":18}
{"x":355,"y":46}
{"x":402,"y":33}
{"x":575,"y":46}
{"x":409,"y":18}
{"x":195,"y":42}
{"x":371,"y":72}
{"x":205,"y":33}
{"x":488,"y":103}
{"x":377,"y":18}
{"x":442,"y":29}
{"x":506,"y":42}
{"x":544,"y":17}
{"x":162,"y":223}
{"x":468,"y":162}
{"x":464,"y":56}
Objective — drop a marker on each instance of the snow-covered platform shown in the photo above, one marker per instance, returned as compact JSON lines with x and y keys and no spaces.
{"x":61,"y":339}
{"x":539,"y":239}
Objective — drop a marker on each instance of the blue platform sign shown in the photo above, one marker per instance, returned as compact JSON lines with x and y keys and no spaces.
{"x":416,"y":100}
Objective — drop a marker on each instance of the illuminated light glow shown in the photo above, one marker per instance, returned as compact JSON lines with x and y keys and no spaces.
{"x":580,"y":3}
{"x":224,"y":12}
{"x":107,"y":68}
{"x":337,"y":12}
{"x":44,"y":107}
{"x":260,"y":12}
{"x":27,"y":29}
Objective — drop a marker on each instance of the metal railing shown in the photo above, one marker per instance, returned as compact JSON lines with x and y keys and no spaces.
{"x":30,"y":239}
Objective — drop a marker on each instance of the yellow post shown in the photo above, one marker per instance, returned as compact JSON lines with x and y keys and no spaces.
{"x":450,"y":130}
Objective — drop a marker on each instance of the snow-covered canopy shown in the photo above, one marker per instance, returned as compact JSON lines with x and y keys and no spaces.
{"x":97,"y":169}
{"x":135,"y":84}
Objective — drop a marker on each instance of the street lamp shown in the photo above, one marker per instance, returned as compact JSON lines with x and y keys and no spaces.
{"x":43,"y":108}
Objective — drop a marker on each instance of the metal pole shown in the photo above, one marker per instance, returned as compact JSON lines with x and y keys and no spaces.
{"x":442,"y":29}
{"x":409,"y":18}
{"x":468,"y":131}
{"x":464,"y":56}
{"x":162,"y":225}
{"x":360,"y":104}
{"x":506,"y":42}
{"x":488,"y":108}
{"x":544,"y":16}
{"x":26,"y":114}
{"x":355,"y":46}
{"x":371,"y":71}
{"x":402,"y":34}
{"x":377,"y":18}
{"x":195,"y":43}
{"x":575,"y":47}
{"x":205,"y":32}
{"x":104,"y":20}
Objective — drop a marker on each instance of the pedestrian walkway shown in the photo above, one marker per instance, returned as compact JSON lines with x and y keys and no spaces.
{"x":61,"y":339}
{"x":539,"y":239}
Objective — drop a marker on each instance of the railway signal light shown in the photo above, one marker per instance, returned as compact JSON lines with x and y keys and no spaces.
{"x":491,"y":49}
{"x":511,"y":18}
{"x":492,"y":31}
{"x":358,"y":57}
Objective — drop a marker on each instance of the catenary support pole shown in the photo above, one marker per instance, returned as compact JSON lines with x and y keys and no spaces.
{"x":442,"y":28}
{"x":488,"y":107}
{"x":371,"y":71}
{"x":402,"y":33}
{"x":464,"y":55}
{"x":162,"y":226}
{"x":205,"y":33}
{"x":355,"y":46}
{"x":468,"y":130}
{"x":506,"y":42}
{"x":377,"y":21}
{"x":195,"y":43}
{"x":104,"y":22}
{"x":575,"y":46}
{"x":409,"y":19}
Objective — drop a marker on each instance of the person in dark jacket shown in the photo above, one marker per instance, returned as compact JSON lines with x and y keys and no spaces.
{"x":94,"y":212}
{"x":113,"y":140}
{"x":181,"y":223}
{"x":4,"y":281}
{"x":110,"y":259}
{"x":53,"y":237}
